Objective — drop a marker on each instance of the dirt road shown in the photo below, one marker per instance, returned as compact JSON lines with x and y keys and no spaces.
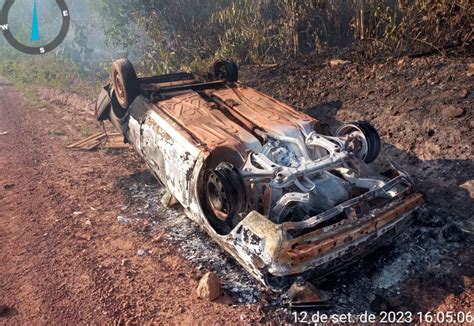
{"x":64,"y":256}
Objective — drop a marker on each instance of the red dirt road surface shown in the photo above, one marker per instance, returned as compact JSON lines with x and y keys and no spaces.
{"x":64,"y":257}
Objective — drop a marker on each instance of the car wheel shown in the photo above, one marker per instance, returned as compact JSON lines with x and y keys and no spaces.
{"x":227,"y":70}
{"x":125,"y":82}
{"x":225,"y":198}
{"x":370,"y":146}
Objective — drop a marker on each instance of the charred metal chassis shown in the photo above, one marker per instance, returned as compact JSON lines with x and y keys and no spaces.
{"x":271,"y":254}
{"x":272,"y":250}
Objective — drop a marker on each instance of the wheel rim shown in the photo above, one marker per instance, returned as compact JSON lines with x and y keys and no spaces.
{"x":363,"y":139}
{"x":219,"y":71}
{"x":119,"y":87}
{"x":216,"y":196}
{"x":359,"y":138}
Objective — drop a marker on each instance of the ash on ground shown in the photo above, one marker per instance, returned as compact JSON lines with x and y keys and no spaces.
{"x":372,"y":284}
{"x":193,"y":244}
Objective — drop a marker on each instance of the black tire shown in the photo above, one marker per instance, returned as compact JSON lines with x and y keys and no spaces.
{"x":118,"y":116}
{"x":125,"y":82}
{"x":227,"y":70}
{"x":371,"y":135}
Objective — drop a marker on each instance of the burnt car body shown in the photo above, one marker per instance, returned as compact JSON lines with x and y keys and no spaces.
{"x":268,"y":183}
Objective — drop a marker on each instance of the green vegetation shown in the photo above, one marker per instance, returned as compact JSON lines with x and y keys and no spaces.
{"x":184,"y":34}
{"x":54,"y":71}
{"x":170,"y":35}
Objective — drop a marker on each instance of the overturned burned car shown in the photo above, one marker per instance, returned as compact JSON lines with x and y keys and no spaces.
{"x":278,"y":192}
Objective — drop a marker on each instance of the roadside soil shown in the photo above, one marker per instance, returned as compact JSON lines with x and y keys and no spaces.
{"x":67,"y":258}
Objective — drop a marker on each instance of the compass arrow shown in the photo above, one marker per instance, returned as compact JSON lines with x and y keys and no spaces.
{"x":35,"y":35}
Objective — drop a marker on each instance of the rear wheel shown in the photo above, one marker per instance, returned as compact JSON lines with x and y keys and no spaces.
{"x":125,"y":82}
{"x":226,"y":69}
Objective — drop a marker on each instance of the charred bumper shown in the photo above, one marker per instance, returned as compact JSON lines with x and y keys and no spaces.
{"x":270,"y":250}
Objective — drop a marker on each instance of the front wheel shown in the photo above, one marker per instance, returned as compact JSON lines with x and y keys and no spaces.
{"x":364,"y":137}
{"x":125,"y":82}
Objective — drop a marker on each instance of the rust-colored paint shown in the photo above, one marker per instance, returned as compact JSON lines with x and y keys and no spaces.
{"x":263,"y":110}
{"x":208,"y":125}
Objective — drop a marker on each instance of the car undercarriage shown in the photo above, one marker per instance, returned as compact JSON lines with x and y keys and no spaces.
{"x":278,"y":191}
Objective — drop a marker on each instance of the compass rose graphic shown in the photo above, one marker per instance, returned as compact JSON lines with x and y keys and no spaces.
{"x":35,"y":29}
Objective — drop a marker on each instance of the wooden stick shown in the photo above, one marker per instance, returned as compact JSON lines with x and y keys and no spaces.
{"x":86,"y":139}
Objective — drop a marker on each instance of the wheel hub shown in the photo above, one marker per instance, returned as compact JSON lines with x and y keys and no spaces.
{"x":119,"y":87}
{"x":217,"y":196}
{"x":225,"y":192}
